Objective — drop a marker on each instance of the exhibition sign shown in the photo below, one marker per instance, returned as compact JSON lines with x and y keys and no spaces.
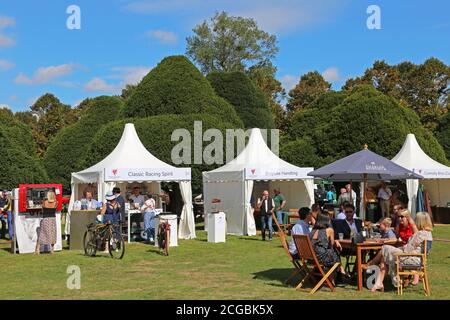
{"x":147,"y":174}
{"x":277,"y":173}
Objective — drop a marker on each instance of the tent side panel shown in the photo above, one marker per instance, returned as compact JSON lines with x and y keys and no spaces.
{"x":439,"y":191}
{"x":232,"y":203}
{"x":295,"y":193}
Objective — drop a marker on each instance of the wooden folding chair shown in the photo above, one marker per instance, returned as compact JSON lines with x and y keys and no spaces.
{"x":308,"y":256}
{"x":282,"y":228}
{"x":420,"y":269}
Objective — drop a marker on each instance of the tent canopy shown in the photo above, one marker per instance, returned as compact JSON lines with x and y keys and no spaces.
{"x":256,"y":162}
{"x":233,"y":183}
{"x":364,"y":165}
{"x":436,"y":175}
{"x":131,"y":155}
{"x":412,"y":157}
{"x":131,"y":161}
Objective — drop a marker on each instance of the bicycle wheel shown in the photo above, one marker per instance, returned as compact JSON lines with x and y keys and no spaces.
{"x":116,"y":245}
{"x":90,"y":247}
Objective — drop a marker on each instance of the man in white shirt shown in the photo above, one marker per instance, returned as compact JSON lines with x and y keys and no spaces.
{"x":301,"y":227}
{"x":353,"y":194}
{"x":384,"y":195}
{"x":137,"y":197}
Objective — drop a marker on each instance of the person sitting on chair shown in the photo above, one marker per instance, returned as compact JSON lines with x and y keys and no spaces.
{"x":350,"y":225}
{"x":386,"y":257}
{"x":386,"y":230}
{"x":301,"y":227}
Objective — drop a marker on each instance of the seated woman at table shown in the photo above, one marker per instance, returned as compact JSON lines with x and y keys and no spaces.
{"x":386,"y":230}
{"x":326,"y":248}
{"x":386,"y":258}
{"x":406,"y":227}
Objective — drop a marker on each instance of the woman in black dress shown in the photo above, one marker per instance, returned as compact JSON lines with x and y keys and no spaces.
{"x":326,"y":248}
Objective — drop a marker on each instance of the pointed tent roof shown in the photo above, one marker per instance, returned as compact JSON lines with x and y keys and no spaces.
{"x":258,"y":162}
{"x":129,"y":153}
{"x":412,"y":157}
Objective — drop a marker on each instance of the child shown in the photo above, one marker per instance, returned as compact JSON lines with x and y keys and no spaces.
{"x":386,"y":230}
{"x":149,"y":218}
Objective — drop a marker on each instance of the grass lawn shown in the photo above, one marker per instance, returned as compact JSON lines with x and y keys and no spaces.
{"x":241,"y":268}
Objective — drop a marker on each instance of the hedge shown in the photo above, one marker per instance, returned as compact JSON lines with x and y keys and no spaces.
{"x":247,"y":99}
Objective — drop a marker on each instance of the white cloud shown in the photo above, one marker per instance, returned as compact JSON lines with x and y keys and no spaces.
{"x":4,"y":106}
{"x":289,"y":82}
{"x":127,"y":75}
{"x":6,"y":41}
{"x":98,"y":84}
{"x":6,"y":65}
{"x":6,"y":22}
{"x":165,"y":37}
{"x":331,"y":74}
{"x":46,"y":74}
{"x":271,"y":15}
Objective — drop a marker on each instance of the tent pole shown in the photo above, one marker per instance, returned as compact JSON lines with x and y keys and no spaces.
{"x":364,"y":197}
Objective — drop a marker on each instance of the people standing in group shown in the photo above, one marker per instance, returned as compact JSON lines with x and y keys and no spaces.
{"x":47,"y":228}
{"x":266,"y":208}
{"x":280,"y":203}
{"x":343,"y":197}
{"x":384,"y":196}
{"x":149,"y":218}
{"x":406,"y":227}
{"x":351,"y":193}
{"x":7,"y":213}
{"x":120,"y":200}
{"x":331,"y":195}
{"x":2,"y":217}
{"x":386,"y":258}
{"x":137,"y":198}
{"x":300,"y":227}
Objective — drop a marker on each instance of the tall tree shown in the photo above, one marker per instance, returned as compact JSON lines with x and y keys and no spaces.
{"x":425,"y":88}
{"x":230,"y":44}
{"x":310,"y":86}
{"x":52,"y":116}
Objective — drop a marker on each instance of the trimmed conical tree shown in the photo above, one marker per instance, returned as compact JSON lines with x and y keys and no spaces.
{"x":69,"y":148}
{"x":176,"y":86}
{"x":18,"y":159}
{"x":247,"y":99}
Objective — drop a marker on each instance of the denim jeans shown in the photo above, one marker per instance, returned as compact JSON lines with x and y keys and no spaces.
{"x":149,"y":224}
{"x":10,"y":226}
{"x":279,"y":214}
{"x":266,"y":220}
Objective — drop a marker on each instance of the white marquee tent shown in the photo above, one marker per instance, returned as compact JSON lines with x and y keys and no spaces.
{"x":233,"y":183}
{"x":131,"y":162}
{"x":436,"y":175}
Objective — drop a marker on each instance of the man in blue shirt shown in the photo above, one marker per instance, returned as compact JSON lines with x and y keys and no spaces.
{"x":301,"y":227}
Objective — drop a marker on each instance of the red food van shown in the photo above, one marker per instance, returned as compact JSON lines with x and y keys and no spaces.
{"x":31,"y":196}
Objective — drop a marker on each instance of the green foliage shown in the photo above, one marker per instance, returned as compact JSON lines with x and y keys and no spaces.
{"x":230,"y":44}
{"x":300,"y":152}
{"x":175,"y":86}
{"x":246,"y":98}
{"x":443,"y":133}
{"x":155,"y":133}
{"x":339,"y":125}
{"x":310,"y":86}
{"x":18,"y":160}
{"x":422,"y":87}
{"x":68,"y":150}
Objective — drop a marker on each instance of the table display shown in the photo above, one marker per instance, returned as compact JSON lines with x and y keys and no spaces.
{"x":79,"y":219}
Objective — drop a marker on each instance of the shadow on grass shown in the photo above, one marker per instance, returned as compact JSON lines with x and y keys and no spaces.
{"x":279,"y":275}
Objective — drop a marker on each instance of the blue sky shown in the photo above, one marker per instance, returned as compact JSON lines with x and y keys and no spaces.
{"x":121,"y":40}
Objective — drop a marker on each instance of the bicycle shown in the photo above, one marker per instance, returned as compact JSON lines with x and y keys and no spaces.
{"x":164,"y":236}
{"x":97,"y":236}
